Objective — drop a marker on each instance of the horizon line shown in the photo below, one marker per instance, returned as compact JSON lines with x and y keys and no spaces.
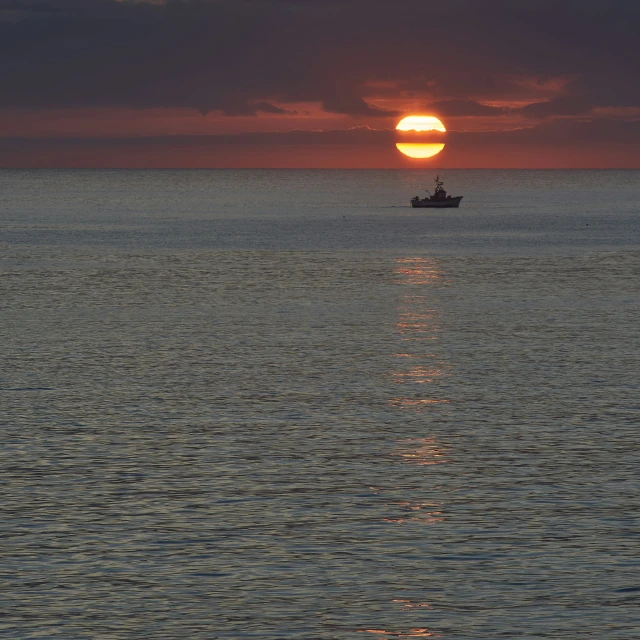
{"x":426,"y":169}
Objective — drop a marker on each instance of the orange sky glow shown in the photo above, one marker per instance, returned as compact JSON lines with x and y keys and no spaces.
{"x":61,"y":133}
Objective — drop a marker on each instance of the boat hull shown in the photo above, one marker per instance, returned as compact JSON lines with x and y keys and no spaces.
{"x":450,"y":203}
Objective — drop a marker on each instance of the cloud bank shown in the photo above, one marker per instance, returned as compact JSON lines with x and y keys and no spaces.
{"x":243,"y":56}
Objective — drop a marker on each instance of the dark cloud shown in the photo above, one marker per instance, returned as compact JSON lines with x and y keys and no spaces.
{"x":354,"y":136}
{"x":574,"y":134}
{"x":454,"y":108}
{"x":239,"y":107}
{"x":247,"y":56}
{"x":597,"y":89}
{"x":354,"y":106}
{"x":602,"y":143}
{"x":556,"y":133}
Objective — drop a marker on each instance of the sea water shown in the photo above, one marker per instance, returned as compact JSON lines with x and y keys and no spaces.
{"x":285,"y":405}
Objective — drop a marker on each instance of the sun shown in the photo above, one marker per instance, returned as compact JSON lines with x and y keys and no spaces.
{"x":419,"y":149}
{"x":420,"y":124}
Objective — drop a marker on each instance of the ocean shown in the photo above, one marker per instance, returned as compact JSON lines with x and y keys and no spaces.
{"x":284,"y":405}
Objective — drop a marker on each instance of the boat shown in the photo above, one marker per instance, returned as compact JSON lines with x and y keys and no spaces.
{"x":439,"y":199}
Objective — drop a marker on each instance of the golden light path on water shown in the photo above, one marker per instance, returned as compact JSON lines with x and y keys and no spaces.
{"x":417,"y":369}
{"x":417,"y":326}
{"x":413,"y":633}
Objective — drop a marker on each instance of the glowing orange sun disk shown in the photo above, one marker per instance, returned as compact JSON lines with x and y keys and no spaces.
{"x":420,"y":149}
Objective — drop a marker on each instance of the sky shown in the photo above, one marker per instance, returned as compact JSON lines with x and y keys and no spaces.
{"x":318,"y":83}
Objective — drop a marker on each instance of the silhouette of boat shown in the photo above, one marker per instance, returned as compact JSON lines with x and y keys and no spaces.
{"x":439,"y":199}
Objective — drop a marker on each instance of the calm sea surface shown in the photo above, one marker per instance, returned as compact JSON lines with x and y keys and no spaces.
{"x":284,"y":405}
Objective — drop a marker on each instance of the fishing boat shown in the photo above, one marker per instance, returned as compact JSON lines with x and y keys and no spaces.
{"x":439,"y":199}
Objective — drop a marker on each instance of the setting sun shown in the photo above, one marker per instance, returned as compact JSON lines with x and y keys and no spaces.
{"x":419,"y":150}
{"x":420,"y":124}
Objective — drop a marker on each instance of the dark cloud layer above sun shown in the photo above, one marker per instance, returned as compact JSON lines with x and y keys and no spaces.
{"x":242,"y":57}
{"x":552,"y":144}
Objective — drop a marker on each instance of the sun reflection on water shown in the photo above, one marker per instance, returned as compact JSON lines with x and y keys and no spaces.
{"x":418,"y":373}
{"x":418,"y":321}
{"x":410,"y":271}
{"x":422,"y":451}
{"x":408,"y":402}
{"x":411,"y":633}
{"x":421,"y":513}
{"x":408,"y":604}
